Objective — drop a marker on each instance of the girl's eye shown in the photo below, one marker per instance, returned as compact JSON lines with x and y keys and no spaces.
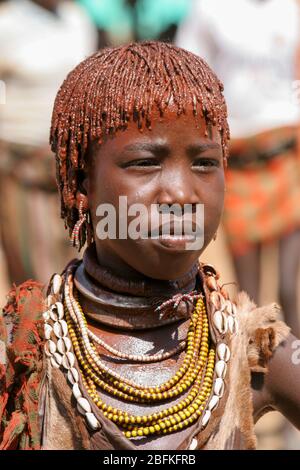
{"x":206,"y":163}
{"x":144,"y":162}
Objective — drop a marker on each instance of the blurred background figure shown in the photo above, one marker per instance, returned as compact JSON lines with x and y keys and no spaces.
{"x":253,"y":46}
{"x":121,"y":21}
{"x":112,"y":19}
{"x":40,"y":41}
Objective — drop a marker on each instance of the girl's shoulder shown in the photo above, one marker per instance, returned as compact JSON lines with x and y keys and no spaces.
{"x":262,"y":330}
{"x":21,"y":358}
{"x":254,"y":331}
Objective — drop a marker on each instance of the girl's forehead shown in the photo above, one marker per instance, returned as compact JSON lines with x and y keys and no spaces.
{"x":169,"y":126}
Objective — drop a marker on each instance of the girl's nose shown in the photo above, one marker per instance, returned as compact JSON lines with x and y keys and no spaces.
{"x":178,"y":188}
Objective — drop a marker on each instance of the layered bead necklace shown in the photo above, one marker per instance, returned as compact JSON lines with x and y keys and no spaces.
{"x":197,"y":377}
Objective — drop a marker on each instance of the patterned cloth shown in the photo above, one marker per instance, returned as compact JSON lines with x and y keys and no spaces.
{"x":262,"y":200}
{"x":21,"y":367}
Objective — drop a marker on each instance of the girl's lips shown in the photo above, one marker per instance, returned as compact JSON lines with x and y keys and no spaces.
{"x":176,"y":241}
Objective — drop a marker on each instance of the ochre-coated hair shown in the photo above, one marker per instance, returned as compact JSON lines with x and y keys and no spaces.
{"x":116,"y":85}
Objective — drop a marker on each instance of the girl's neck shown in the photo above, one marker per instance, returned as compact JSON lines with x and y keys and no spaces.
{"x":125,"y":303}
{"x":137,"y":284}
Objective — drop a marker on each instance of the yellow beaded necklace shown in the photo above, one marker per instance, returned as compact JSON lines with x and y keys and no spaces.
{"x":195,"y":377}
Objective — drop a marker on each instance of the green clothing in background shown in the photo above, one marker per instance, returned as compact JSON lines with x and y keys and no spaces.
{"x":148,"y":19}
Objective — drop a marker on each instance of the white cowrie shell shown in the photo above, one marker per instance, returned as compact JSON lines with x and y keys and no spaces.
{"x":57,"y":311}
{"x":73,"y":375}
{"x":60,"y":310}
{"x":71,"y":358}
{"x":68,"y":343}
{"x":232,"y":324}
{"x":57,"y":357}
{"x":56,"y":283}
{"x":76,"y":391}
{"x":213,"y":402}
{"x":61,"y":347}
{"x":193,"y":444}
{"x":54,"y":363}
{"x":219,"y":387}
{"x":92,"y":421}
{"x":46,"y":315}
{"x":206,"y":417}
{"x":83,"y":405}
{"x":220,"y":369}
{"x":50,"y":300}
{"x":47,"y":330}
{"x":225,"y":323}
{"x":218,"y":320}
{"x":68,"y":360}
{"x":64,"y":327}
{"x":57,"y":330}
{"x":223,"y":352}
{"x":51,"y":346}
{"x":234,"y":309}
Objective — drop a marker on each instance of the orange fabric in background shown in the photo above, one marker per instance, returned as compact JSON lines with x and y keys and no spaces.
{"x":262,"y":202}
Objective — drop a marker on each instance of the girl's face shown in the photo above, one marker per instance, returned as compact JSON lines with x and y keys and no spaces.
{"x":173,"y":163}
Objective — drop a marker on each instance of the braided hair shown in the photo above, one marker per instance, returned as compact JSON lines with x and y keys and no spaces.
{"x":116,"y":85}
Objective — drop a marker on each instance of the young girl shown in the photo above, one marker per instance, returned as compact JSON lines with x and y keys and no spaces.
{"x":138,"y":346}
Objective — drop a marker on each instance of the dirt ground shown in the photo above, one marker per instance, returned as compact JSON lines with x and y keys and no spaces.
{"x":273,"y":431}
